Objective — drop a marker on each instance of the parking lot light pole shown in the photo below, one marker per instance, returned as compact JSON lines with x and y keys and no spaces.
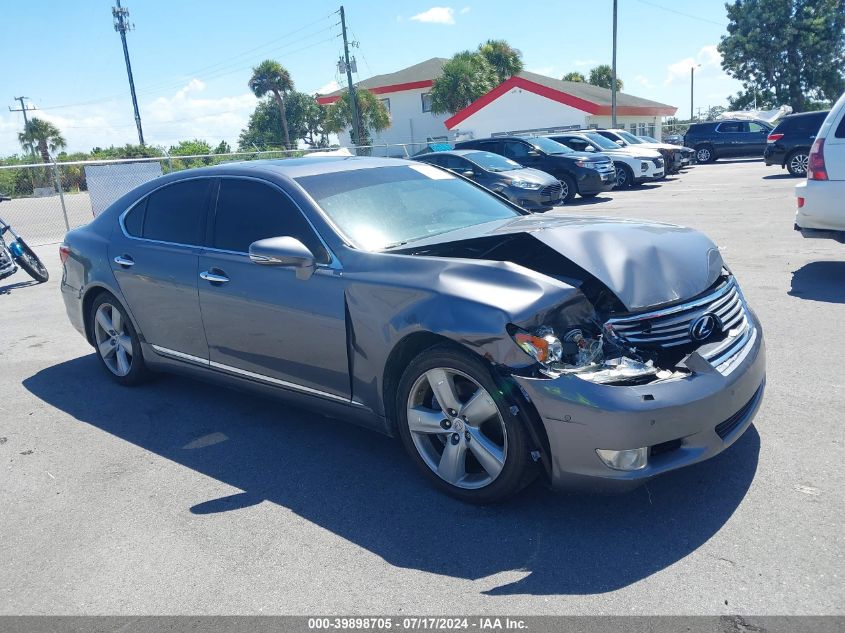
{"x":613,"y":74}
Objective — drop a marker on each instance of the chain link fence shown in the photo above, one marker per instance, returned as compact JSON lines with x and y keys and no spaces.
{"x":49,"y":199}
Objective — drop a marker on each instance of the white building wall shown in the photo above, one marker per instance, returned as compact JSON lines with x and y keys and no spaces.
{"x":631,"y":123}
{"x":519,"y":109}
{"x":408,"y":124}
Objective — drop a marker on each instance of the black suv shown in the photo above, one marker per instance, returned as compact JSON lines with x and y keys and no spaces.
{"x":789,"y":143}
{"x":727,"y":138}
{"x":578,"y":172}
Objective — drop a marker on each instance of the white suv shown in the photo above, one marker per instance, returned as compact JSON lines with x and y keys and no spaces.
{"x":821,"y":210}
{"x":633,"y":166}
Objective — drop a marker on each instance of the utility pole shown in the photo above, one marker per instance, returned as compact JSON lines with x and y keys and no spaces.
{"x":353,"y":97}
{"x":120,"y":15}
{"x":692,"y":87}
{"x":613,"y":74}
{"x":23,"y":109}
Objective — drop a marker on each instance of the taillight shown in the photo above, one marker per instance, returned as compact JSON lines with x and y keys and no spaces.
{"x":773,"y":137}
{"x":64,"y":252}
{"x":800,"y":202}
{"x":816,"y":169}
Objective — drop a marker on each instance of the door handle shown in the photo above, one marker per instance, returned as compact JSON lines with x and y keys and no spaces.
{"x":214,"y":278}
{"x":124,"y":260}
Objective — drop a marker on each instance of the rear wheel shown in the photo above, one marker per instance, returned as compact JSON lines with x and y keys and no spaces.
{"x":458,"y":428}
{"x":116,"y":341}
{"x":797,"y":162}
{"x":568,"y":188}
{"x":30,"y":262}
{"x":705,"y":154}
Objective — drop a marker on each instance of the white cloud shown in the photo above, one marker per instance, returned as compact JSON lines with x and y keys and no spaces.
{"x":708,"y":63}
{"x":643,"y":81}
{"x":329,"y":87}
{"x":436,"y":15}
{"x":187,"y":114}
{"x":465,"y":10}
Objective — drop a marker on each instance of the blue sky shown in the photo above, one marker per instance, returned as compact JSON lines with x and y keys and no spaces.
{"x":192,"y":59}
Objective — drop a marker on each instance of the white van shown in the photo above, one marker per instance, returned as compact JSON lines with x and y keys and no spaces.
{"x":821,"y":198}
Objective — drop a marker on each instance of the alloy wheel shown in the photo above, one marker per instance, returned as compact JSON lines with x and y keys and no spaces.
{"x":621,"y":177}
{"x":564,"y":189}
{"x":113,"y":341}
{"x":798,"y":164}
{"x":703,"y":155}
{"x":456,"y":428}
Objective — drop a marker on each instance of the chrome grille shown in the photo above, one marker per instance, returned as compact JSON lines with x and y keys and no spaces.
{"x":671,"y":326}
{"x":551,"y":191}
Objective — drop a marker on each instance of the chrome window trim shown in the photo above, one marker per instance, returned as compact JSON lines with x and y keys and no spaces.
{"x":251,"y":374}
{"x":334,"y":262}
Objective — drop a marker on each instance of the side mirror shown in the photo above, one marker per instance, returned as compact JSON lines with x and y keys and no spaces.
{"x":467,"y":173}
{"x":284,"y":251}
{"x":589,"y":148}
{"x":533,"y":152}
{"x":620,"y":143}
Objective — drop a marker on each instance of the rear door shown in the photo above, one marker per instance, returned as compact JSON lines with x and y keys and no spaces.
{"x":729,"y":138}
{"x":261,"y":321}
{"x":154,"y":258}
{"x":755,"y":138}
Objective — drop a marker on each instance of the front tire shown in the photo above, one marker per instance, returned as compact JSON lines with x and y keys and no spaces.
{"x":569,"y":188}
{"x":457,"y":427}
{"x":624,"y":176}
{"x":797,"y":162}
{"x":116,"y":342}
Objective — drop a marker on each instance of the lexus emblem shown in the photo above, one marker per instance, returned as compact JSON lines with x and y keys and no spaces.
{"x":704,"y":326}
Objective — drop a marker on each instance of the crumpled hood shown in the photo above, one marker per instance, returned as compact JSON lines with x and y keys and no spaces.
{"x":644,"y":264}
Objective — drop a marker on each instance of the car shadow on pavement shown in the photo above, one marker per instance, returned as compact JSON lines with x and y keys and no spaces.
{"x":784,"y":176}
{"x":819,"y":281}
{"x":360,"y":486}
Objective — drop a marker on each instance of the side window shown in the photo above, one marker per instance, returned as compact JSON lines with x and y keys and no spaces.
{"x":248,"y":211}
{"x":730,"y":127}
{"x":756,"y":127}
{"x":134,"y":220}
{"x":840,"y":129}
{"x":515,"y":150}
{"x":426,"y":101}
{"x":176,"y":213}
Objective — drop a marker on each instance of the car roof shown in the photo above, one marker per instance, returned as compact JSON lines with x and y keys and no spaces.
{"x":309,"y":165}
{"x":799,"y":115}
{"x":457,"y":152}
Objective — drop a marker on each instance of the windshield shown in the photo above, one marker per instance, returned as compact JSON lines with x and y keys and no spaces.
{"x":630,"y":138}
{"x":549,"y":146}
{"x":492,"y":162}
{"x":601,"y":141}
{"x":390,"y":206}
{"x":649,"y":139}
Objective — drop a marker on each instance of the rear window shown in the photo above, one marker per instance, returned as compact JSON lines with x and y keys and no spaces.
{"x":176,"y":213}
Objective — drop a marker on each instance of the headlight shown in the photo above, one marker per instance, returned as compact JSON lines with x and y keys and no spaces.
{"x":587,"y":164}
{"x":590,"y":357}
{"x":524,"y":184}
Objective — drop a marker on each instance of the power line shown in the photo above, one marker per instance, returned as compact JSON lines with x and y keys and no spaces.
{"x":23,"y":110}
{"x":682,"y":13}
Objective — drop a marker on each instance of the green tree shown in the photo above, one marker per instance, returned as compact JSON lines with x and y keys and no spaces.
{"x":41,"y":136}
{"x":505,"y":60}
{"x":223,"y":148}
{"x":465,"y":78}
{"x":574,"y":76}
{"x":127,"y":151}
{"x":744,"y":99}
{"x":271,"y":77}
{"x":305,"y":119}
{"x":194,"y":147}
{"x":373,"y":115}
{"x":793,"y":48}
{"x":602,"y":75}
{"x":713,"y":113}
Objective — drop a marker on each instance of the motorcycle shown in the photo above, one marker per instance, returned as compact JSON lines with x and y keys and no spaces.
{"x":18,"y":253}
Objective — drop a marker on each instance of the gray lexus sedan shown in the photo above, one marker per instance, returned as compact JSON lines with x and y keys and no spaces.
{"x":497,"y":344}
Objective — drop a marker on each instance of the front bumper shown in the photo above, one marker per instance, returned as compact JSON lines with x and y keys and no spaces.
{"x":677,"y":419}
{"x":592,"y":181}
{"x":774,"y":155}
{"x":534,"y":199}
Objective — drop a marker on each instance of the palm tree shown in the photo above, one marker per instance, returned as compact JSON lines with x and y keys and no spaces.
{"x":505,"y":59}
{"x":574,"y":76}
{"x":270,"y":76}
{"x":42,"y":136}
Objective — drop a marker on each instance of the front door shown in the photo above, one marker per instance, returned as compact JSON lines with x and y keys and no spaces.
{"x":154,"y":258}
{"x":261,"y":322}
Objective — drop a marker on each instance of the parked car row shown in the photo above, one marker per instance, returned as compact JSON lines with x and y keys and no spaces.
{"x":538,"y":172}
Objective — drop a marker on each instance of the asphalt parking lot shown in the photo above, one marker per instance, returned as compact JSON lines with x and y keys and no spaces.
{"x":183,"y":498}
